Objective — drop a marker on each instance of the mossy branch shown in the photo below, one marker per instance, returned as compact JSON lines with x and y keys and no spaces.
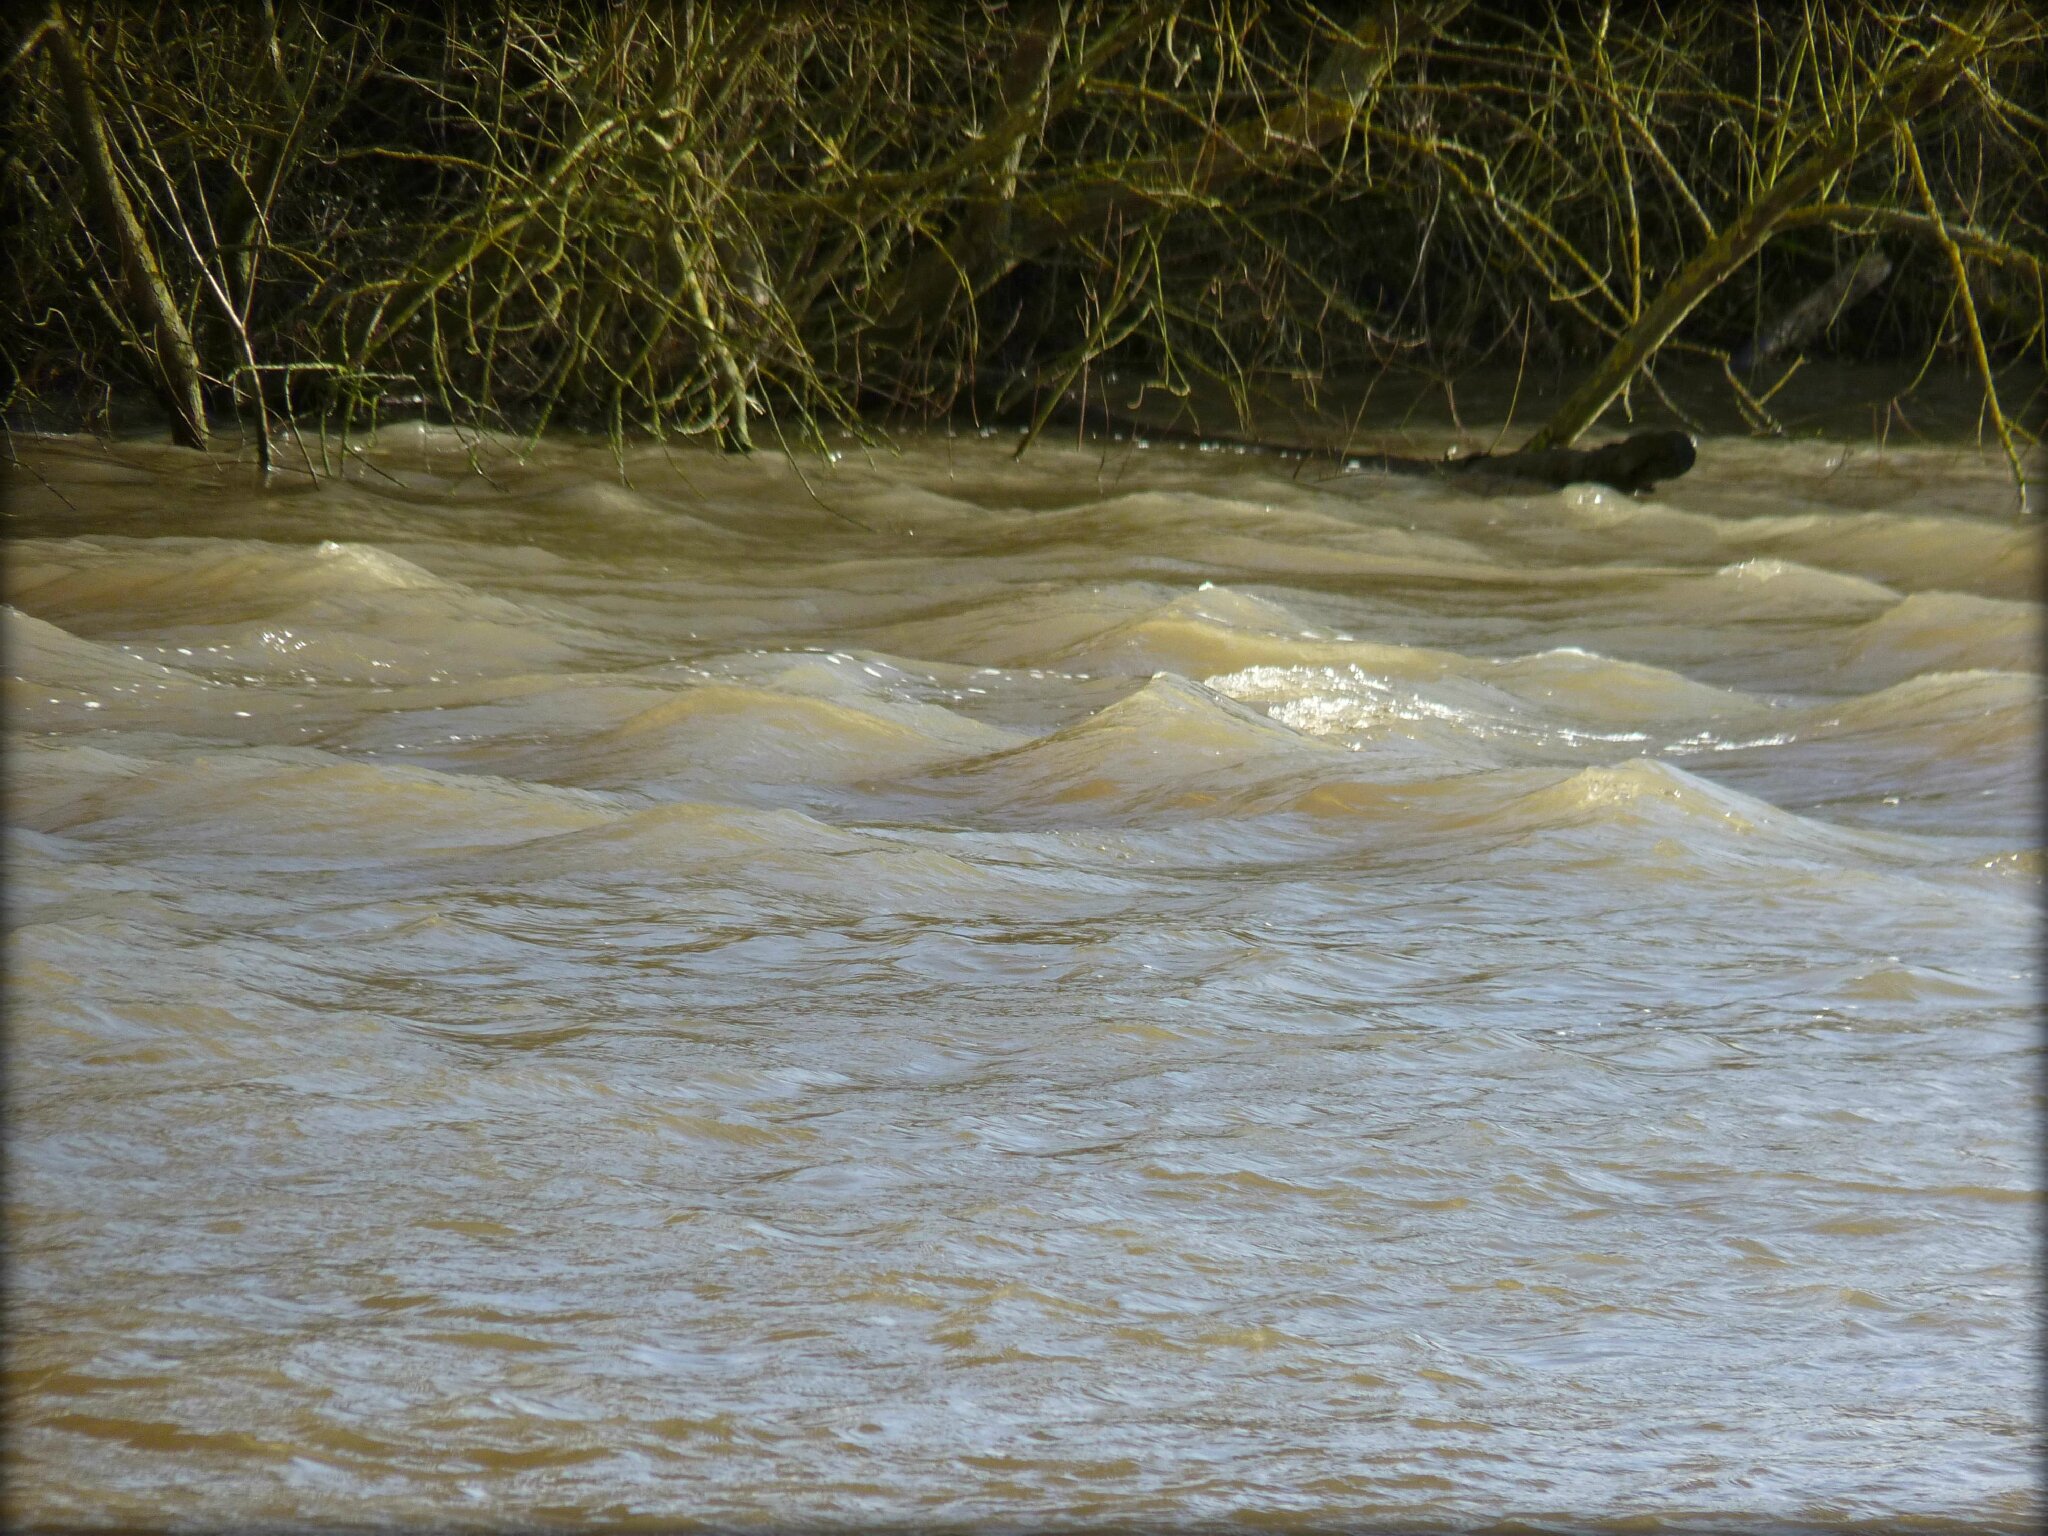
{"x":174,"y":358}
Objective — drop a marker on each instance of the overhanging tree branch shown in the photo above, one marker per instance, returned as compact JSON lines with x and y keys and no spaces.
{"x":1913,"y":90}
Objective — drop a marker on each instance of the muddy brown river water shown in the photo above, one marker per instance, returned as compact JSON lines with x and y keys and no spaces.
{"x":1142,"y":986}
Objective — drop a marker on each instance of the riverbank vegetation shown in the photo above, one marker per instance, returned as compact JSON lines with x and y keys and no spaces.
{"x":752,"y":222}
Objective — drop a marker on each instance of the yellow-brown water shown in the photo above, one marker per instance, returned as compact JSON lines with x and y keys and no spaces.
{"x":1126,"y":987}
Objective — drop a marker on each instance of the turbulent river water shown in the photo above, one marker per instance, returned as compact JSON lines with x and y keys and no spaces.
{"x":1139,"y":986}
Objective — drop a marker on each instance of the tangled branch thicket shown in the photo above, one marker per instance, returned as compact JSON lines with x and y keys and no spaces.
{"x":744,"y":220}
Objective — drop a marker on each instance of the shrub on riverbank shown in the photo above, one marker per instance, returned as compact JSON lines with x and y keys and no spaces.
{"x":747,"y":221}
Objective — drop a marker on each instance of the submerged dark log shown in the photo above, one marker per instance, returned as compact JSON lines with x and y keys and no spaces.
{"x":1635,"y":464}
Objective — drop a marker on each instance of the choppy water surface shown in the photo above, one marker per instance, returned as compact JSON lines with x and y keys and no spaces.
{"x":1126,"y":987}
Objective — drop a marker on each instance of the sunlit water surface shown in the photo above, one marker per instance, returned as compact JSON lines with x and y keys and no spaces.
{"x":1139,"y":986}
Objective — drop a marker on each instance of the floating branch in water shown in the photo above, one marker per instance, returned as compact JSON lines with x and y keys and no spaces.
{"x":1816,"y":311}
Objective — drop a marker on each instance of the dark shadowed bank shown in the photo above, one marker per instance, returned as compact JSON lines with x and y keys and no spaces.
{"x":749,"y":222}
